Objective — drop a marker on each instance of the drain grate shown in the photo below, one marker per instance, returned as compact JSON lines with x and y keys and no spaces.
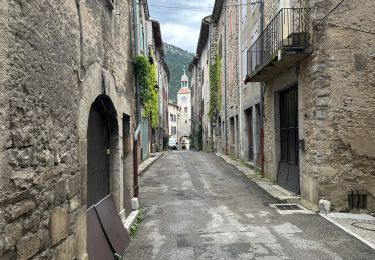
{"x":288,"y":207}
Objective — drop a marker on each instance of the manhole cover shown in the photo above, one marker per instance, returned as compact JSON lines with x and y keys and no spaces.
{"x":288,"y":207}
{"x":363,"y":225}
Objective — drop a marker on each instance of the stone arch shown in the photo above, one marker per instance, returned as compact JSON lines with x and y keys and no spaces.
{"x":99,"y":84}
{"x":102,"y":137}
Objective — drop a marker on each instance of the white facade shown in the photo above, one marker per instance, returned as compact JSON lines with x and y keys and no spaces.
{"x":184,"y":104}
{"x":172,"y":119}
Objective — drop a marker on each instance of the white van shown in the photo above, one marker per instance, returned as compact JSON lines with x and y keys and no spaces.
{"x":172,"y":143}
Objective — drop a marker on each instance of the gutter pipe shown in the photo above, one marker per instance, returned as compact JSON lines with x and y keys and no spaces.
{"x":225,"y":81}
{"x":262,"y":87}
{"x":138,"y":102}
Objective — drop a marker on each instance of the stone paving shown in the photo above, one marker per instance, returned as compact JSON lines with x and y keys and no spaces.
{"x":197,"y":206}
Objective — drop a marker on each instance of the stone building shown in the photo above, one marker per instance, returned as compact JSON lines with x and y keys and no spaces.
{"x":199,"y":69}
{"x":159,"y":133}
{"x":250,"y":93}
{"x":224,"y":43}
{"x":318,"y":71}
{"x":67,"y":110}
{"x":145,"y":43}
{"x":184,"y":105}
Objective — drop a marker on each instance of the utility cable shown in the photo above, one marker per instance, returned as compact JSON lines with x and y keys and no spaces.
{"x":329,"y":13}
{"x":197,"y":8}
{"x":351,"y":28}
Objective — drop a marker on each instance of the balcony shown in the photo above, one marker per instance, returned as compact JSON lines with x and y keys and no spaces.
{"x":283,"y":43}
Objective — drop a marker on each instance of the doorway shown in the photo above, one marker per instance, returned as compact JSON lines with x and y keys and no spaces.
{"x":98,"y":144}
{"x":106,"y":235}
{"x":288,"y":172}
{"x":250,"y":133}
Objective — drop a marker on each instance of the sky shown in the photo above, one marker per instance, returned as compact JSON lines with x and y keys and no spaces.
{"x":180,"y":26}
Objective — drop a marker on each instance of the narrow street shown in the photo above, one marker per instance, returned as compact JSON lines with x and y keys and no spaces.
{"x":199,"y":207}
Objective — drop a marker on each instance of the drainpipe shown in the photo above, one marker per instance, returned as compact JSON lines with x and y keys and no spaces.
{"x":225,"y":81}
{"x":81,"y":69}
{"x":138,"y":102}
{"x":262,"y":87}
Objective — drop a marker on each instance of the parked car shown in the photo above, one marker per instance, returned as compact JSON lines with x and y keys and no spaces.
{"x":172,"y":143}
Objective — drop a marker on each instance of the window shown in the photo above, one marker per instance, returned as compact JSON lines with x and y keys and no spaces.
{"x":255,"y":55}
{"x":141,"y":40}
{"x":171,"y":117}
{"x":243,"y":9}
{"x":175,"y":118}
{"x":173,"y":130}
{"x":185,"y":121}
{"x":185,"y":109}
{"x":244,"y":61}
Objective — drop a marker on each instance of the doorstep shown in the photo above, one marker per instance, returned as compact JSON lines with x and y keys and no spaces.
{"x":273,"y":189}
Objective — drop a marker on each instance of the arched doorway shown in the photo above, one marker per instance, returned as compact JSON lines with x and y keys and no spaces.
{"x":106,"y":235}
{"x":102,"y":126}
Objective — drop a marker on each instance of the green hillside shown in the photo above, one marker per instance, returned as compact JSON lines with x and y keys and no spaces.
{"x":176,"y":59}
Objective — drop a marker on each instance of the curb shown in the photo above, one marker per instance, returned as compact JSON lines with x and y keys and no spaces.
{"x":151,"y":163}
{"x":130,"y":220}
{"x":371,"y":245}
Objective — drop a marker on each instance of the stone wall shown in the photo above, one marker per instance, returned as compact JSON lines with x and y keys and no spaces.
{"x":339,"y":120}
{"x":336,"y":118}
{"x":225,"y":42}
{"x":44,"y":110}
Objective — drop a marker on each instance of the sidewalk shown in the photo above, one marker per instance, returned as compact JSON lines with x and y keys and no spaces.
{"x":360,"y":226}
{"x":274,"y":190}
{"x":148,"y":162}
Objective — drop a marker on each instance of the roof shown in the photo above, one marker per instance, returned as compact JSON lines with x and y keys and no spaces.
{"x":216,"y":12}
{"x":184,"y":78}
{"x":156,"y":33}
{"x":166,"y":69}
{"x":145,"y":6}
{"x":202,"y":40}
{"x":193,"y":63}
{"x":203,"y":35}
{"x":184,"y":90}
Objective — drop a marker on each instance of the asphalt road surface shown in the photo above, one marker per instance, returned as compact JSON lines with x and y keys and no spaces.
{"x":199,"y":207}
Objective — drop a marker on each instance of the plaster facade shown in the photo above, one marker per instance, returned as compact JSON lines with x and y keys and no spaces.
{"x":249,"y":31}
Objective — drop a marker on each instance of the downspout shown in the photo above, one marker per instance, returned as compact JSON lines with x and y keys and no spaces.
{"x":239,"y":89}
{"x":138,"y":103}
{"x":208,"y":22}
{"x":262,"y":87}
{"x":81,"y":69}
{"x":225,"y":81}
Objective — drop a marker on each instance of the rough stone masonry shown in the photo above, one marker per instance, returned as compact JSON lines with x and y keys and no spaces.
{"x":56,"y":58}
{"x":336,"y":111}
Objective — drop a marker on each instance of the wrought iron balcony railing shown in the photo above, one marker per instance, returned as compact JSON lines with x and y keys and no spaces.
{"x":287,"y":31}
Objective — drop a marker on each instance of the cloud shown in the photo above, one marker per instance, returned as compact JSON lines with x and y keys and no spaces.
{"x":180,"y":27}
